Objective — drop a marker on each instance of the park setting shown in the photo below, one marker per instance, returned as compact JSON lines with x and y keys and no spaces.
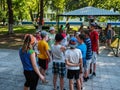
{"x":59,"y":44}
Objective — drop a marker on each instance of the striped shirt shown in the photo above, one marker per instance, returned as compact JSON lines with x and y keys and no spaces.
{"x":89,"y":48}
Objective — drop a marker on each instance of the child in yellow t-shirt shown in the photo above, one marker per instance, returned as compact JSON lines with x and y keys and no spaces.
{"x":44,"y":56}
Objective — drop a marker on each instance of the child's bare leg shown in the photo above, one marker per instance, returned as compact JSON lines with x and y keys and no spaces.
{"x":54,"y":80}
{"x":26,"y":88}
{"x":78,"y":84}
{"x":81,"y":80}
{"x":71,"y":84}
{"x":61,"y":83}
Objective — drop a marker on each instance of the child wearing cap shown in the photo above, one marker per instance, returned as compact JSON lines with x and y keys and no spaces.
{"x":44,"y":55}
{"x":37,"y":35}
{"x":63,"y":32}
{"x":51,"y":36}
{"x":59,"y":67}
{"x":73,"y":57}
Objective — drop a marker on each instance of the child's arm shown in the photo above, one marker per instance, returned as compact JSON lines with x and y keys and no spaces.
{"x":63,"y":48}
{"x":80,"y":60}
{"x":71,"y":64}
{"x":36,"y":69}
{"x":48,"y":54}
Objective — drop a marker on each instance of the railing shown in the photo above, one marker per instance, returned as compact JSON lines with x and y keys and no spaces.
{"x":71,"y":23}
{"x":53,"y":23}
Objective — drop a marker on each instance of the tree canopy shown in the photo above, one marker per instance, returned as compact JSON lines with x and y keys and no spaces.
{"x":25,"y":9}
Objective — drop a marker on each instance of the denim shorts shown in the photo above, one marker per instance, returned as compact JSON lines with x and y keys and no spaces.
{"x":94,"y":58}
{"x":87,"y":66}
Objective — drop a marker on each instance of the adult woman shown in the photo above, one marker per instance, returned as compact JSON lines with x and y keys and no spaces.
{"x":31,"y":70}
{"x":109,"y":34}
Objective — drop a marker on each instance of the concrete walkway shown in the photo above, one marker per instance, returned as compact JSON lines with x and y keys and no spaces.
{"x":11,"y":73}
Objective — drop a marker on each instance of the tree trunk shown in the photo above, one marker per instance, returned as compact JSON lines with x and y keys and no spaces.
{"x":10,"y":21}
{"x":1,"y":4}
{"x":41,"y":15}
{"x":10,"y":27}
{"x":31,"y":14}
{"x":4,"y":5}
{"x":38,"y":12}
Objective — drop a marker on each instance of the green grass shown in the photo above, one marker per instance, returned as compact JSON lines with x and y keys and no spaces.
{"x":15,"y":40}
{"x":18,"y":29}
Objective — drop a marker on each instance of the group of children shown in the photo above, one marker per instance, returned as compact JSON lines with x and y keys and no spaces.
{"x":75,"y":56}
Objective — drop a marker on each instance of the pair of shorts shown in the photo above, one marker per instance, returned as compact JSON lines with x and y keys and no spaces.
{"x":73,"y":74}
{"x":59,"y":68}
{"x":87,"y":66}
{"x":31,"y":79}
{"x":94,"y":58}
{"x":43,"y":63}
{"x":84,"y":63}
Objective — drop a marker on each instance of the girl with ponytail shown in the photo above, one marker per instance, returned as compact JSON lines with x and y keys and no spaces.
{"x":30,"y":68}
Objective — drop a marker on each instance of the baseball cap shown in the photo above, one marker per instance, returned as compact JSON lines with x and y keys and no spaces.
{"x":43,"y":33}
{"x":63,"y":28}
{"x":38,"y":31}
{"x":94,"y":24}
{"x":73,"y":42}
{"x":51,"y":28}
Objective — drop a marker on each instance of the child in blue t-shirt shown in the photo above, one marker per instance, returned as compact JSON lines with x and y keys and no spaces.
{"x":83,"y":48}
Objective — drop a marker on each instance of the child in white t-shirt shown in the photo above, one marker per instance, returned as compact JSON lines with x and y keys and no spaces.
{"x":59,"y":67}
{"x":73,"y":58}
{"x":51,"y":37}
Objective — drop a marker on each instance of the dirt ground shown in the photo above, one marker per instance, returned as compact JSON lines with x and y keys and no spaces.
{"x":11,"y":41}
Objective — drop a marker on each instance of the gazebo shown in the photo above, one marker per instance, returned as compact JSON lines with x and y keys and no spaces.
{"x":92,"y":11}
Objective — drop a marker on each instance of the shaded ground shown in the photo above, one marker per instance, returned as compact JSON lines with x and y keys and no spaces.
{"x":14,"y":41}
{"x":11,"y":41}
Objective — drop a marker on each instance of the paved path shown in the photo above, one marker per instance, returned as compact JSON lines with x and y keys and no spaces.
{"x":11,"y":74}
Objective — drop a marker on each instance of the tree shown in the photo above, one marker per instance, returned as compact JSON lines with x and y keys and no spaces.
{"x":32,"y":6}
{"x":75,"y":4}
{"x":25,"y":9}
{"x":41,"y":14}
{"x":2,"y":4}
{"x":58,"y":6}
{"x":10,"y":22}
{"x":3,"y":11}
{"x":43,"y":3}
